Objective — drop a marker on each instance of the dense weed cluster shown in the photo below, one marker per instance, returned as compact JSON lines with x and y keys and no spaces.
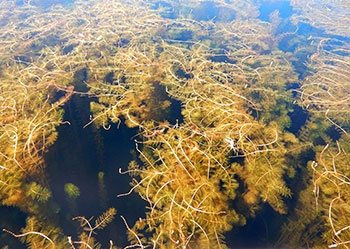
{"x":235,"y":149}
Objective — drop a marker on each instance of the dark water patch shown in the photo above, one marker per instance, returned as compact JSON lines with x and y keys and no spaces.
{"x":22,"y":59}
{"x":319,"y":141}
{"x":308,"y":30}
{"x":239,"y":205}
{"x":175,"y":116}
{"x":71,"y":160}
{"x":334,"y":133}
{"x":221,"y":58}
{"x":301,"y":64}
{"x":259,"y":232}
{"x":80,"y":77}
{"x":292,"y":87}
{"x":89,"y":158}
{"x":56,"y":95}
{"x":12,"y":219}
{"x":300,"y":180}
{"x":68,"y":49}
{"x":109,"y":78}
{"x":180,"y":73}
{"x":236,"y":157}
{"x":119,"y":150}
{"x":159,"y":96}
{"x":298,"y":118}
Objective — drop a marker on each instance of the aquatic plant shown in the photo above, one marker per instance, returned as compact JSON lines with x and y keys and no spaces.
{"x":326,"y":15}
{"x":25,"y":134}
{"x":71,"y":190}
{"x":86,"y":239}
{"x":137,"y":95}
{"x":331,"y":190}
{"x":102,"y":190}
{"x":41,"y":234}
{"x":327,"y":90}
{"x":321,"y":214}
{"x":234,"y":85}
{"x":187,"y":189}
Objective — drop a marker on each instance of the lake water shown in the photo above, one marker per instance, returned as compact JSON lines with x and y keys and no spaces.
{"x":170,"y":75}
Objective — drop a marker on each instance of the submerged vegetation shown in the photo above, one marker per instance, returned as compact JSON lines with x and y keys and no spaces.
{"x":234,"y":149}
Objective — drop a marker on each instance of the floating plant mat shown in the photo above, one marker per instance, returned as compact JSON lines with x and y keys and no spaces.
{"x":175,"y":124}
